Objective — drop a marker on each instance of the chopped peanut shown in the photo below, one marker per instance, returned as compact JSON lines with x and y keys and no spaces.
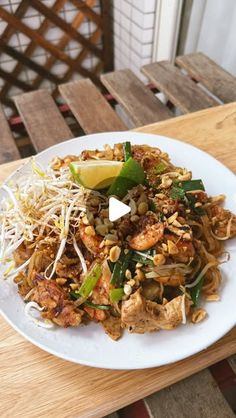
{"x":61,"y":280}
{"x":128,"y":274}
{"x":74,"y":286}
{"x":114,"y":253}
{"x":159,"y":259}
{"x":102,"y":230}
{"x":142,"y":208}
{"x":172,"y":247}
{"x":172,"y":218}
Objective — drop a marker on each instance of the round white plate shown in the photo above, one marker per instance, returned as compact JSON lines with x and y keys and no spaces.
{"x":89,"y":345}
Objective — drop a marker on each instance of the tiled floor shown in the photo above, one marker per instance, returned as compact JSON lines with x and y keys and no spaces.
{"x":208,"y":394}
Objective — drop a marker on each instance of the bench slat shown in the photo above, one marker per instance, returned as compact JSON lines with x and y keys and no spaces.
{"x":204,"y":70}
{"x":90,"y":108}
{"x":42,"y":119}
{"x":8,"y":148}
{"x":178,"y":88}
{"x":198,"y":394}
{"x":138,"y":101}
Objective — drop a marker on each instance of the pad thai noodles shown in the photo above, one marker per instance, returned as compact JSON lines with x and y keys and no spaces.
{"x":147,"y":271}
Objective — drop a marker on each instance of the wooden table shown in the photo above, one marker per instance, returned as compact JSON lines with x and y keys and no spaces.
{"x":34,"y":383}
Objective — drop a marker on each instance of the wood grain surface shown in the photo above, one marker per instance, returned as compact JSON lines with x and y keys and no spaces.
{"x":90,"y":107}
{"x":36,"y":384}
{"x":138,"y":101}
{"x":204,"y":70}
{"x":9,"y":150}
{"x":178,"y":88}
{"x":43,"y":121}
{"x":212,"y":130}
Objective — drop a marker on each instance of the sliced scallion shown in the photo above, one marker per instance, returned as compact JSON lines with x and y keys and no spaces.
{"x":160,"y":168}
{"x":116,"y":294}
{"x":127,"y":150}
{"x":90,"y":281}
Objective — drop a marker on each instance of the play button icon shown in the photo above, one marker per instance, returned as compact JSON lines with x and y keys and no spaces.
{"x":117,"y":209}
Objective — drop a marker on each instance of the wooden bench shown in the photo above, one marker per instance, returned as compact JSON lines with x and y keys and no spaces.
{"x":194,"y":83}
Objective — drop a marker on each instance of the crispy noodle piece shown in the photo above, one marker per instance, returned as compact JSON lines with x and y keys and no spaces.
{"x":112,"y":327}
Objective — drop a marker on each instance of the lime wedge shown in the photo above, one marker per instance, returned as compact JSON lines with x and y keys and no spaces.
{"x":95,"y":174}
{"x":130,"y":175}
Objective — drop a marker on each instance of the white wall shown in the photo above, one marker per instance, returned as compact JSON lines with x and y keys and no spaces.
{"x":212,"y":30}
{"x":133,"y":33}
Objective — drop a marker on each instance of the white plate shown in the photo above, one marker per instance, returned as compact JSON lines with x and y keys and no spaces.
{"x":88,"y":344}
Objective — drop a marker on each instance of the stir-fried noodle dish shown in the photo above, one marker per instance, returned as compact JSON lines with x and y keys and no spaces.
{"x":147,"y":271}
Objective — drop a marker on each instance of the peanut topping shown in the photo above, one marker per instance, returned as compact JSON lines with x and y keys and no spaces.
{"x":159,"y":259}
{"x":142,"y":208}
{"x":114,"y":253}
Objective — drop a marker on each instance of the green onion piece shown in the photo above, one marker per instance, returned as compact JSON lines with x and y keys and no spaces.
{"x":130,"y":175}
{"x":74,"y":294}
{"x":142,"y":260}
{"x":191,"y":185}
{"x":161,"y":216}
{"x":124,"y":267}
{"x":152,"y":206}
{"x":196,"y":292}
{"x":116,"y":294}
{"x":177,"y":192}
{"x":96,"y":306}
{"x":90,"y":281}
{"x":191,"y":201}
{"x":179,"y":189}
{"x":127,"y":150}
{"x":118,"y":274}
{"x":111,"y":265}
{"x":146,"y":183}
{"x":160,"y":168}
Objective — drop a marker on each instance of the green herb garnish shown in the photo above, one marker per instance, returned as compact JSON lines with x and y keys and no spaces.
{"x":116,"y":294}
{"x":90,"y":281}
{"x":127,"y":150}
{"x":195,"y":292}
{"x":160,"y":168}
{"x":118,"y":274}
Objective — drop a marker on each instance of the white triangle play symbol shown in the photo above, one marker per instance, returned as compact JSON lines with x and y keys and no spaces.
{"x":117,"y":209}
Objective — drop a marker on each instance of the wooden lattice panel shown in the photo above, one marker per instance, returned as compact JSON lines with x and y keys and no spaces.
{"x":96,"y":44}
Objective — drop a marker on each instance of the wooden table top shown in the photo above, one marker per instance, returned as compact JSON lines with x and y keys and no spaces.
{"x":34,"y":383}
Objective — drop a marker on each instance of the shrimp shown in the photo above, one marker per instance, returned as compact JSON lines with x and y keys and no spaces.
{"x":97,"y":314}
{"x":91,"y":242}
{"x":148,"y":233}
